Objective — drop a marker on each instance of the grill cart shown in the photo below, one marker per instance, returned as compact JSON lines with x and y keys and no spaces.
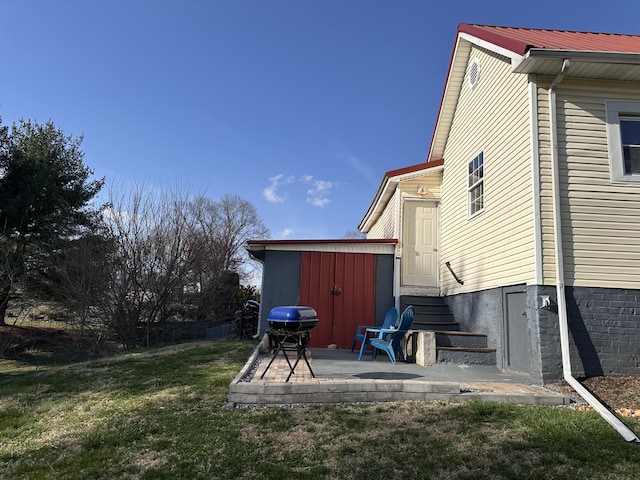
{"x":289,"y":331}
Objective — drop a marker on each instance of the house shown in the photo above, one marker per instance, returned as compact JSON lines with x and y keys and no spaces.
{"x":528,"y":204}
{"x":524,"y":220}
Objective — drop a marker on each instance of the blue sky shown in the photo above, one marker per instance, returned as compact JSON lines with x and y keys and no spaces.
{"x":298,"y":107}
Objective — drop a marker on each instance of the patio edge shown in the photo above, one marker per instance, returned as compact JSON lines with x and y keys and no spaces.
{"x":243,"y":393}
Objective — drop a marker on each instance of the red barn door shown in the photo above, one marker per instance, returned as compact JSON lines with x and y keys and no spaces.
{"x":341,"y":288}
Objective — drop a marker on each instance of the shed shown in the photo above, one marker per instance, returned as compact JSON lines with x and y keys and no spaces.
{"x":347,"y":282}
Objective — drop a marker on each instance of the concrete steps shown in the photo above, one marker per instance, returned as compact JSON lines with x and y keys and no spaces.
{"x":464,"y":355}
{"x":430,"y":313}
{"x":461,"y":339}
{"x":452,"y":345}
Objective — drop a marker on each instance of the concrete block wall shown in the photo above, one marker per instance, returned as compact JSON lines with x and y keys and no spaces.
{"x":547,"y":333}
{"x":604,"y":329}
{"x":604,"y":332}
{"x":605,"y":323}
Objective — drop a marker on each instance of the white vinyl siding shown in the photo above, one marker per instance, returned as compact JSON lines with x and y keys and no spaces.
{"x":497,"y":247}
{"x":600,"y":219}
{"x":430,"y":182}
{"x":384,"y":226}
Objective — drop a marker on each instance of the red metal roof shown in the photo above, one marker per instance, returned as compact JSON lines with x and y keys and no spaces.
{"x":519,"y":40}
{"x":414,"y":168}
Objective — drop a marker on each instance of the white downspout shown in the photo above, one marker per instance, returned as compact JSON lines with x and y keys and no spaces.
{"x":628,"y":435}
{"x":397,"y":258}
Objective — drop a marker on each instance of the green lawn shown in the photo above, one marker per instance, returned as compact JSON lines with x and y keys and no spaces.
{"x":159,"y":414}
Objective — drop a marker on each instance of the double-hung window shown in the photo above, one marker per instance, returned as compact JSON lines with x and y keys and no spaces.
{"x":630,"y":133}
{"x":623,"y":140}
{"x":475,"y":185}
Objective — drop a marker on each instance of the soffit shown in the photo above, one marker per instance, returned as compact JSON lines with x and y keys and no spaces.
{"x":388,"y":187}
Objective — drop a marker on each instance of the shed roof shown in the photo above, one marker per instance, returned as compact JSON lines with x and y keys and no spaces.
{"x":258,"y":248}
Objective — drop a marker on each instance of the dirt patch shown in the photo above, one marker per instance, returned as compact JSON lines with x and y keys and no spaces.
{"x":620,"y":393}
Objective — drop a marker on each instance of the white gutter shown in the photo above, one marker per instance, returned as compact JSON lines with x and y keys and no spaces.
{"x":626,"y":433}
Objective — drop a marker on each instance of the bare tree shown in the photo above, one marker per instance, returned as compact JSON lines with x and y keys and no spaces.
{"x":221,"y":231}
{"x":173,"y":258}
{"x":76,"y":274}
{"x":150,"y":265}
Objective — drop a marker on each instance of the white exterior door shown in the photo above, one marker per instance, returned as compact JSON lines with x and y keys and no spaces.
{"x":420,"y":244}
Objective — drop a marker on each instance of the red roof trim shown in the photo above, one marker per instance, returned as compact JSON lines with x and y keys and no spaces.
{"x":414,"y":168}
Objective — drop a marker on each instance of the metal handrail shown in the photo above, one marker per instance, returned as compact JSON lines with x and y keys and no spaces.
{"x":454,"y":274}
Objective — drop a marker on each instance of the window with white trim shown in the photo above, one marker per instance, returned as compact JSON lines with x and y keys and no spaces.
{"x":623,"y":140}
{"x":475,"y":185}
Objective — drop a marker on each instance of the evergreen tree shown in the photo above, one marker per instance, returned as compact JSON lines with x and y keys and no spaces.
{"x":45,"y":201}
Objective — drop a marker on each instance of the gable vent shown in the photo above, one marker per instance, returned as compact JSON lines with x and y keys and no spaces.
{"x":474,"y":73}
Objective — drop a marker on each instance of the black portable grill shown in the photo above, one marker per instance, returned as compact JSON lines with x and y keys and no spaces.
{"x":293,"y":319}
{"x":289,"y":330}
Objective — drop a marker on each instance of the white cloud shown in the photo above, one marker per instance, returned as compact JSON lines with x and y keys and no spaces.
{"x":318,"y":194}
{"x":270,"y":193}
{"x":318,"y":201}
{"x":110,"y":215}
{"x":287,"y":232}
{"x":356,"y":163}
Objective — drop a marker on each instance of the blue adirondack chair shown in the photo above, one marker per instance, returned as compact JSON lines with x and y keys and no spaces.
{"x":389,"y":340}
{"x":391,"y":318}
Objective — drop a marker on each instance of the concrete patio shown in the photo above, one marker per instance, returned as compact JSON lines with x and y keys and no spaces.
{"x":341,"y":378}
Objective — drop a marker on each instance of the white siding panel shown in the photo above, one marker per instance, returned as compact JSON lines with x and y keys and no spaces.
{"x":497,"y":246}
{"x":600,"y":220}
{"x":430,"y":182}
{"x":384,"y":226}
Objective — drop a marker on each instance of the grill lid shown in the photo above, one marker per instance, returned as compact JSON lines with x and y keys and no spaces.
{"x":292,"y":319}
{"x":292,"y":314}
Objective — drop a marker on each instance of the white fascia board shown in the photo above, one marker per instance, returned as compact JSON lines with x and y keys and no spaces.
{"x":444,"y":102}
{"x":377,"y":205}
{"x":514,"y":57}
